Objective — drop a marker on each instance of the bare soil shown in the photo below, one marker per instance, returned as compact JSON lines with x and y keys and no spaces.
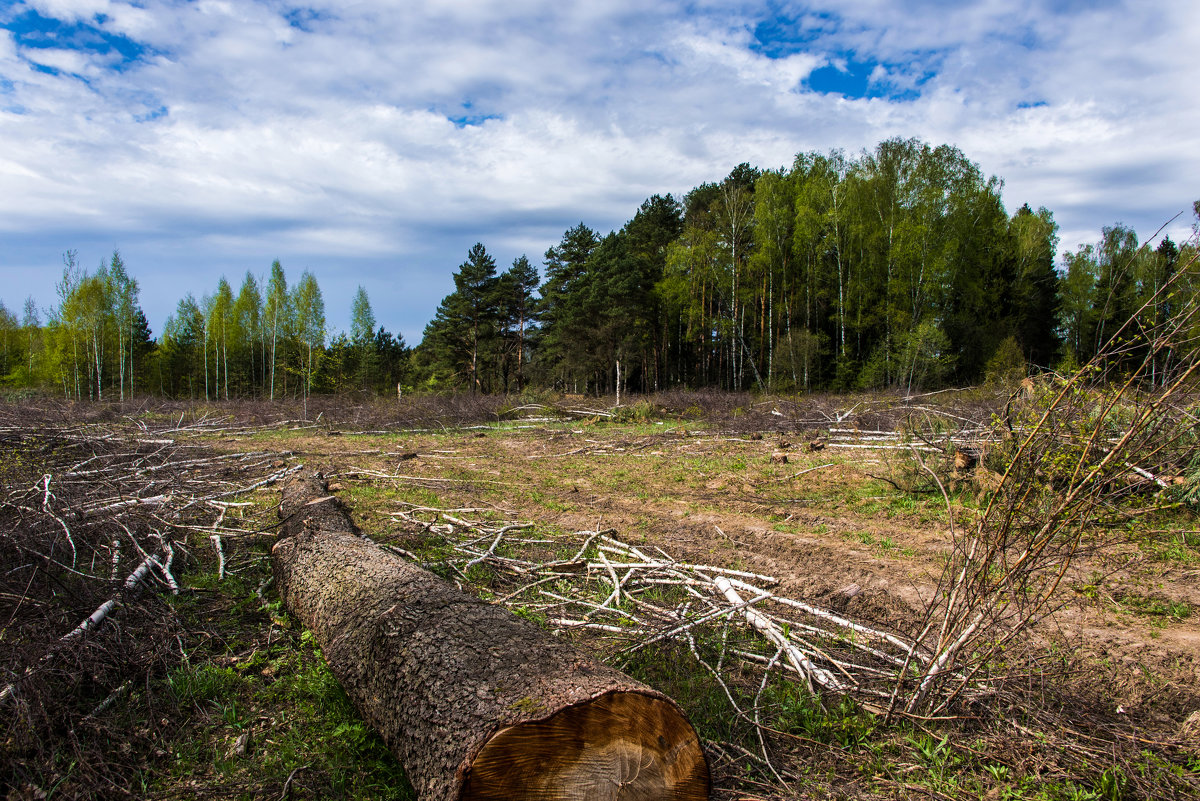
{"x":827,"y":524}
{"x":1103,"y":694}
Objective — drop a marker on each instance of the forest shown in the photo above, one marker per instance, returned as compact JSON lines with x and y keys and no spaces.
{"x":897,"y":268}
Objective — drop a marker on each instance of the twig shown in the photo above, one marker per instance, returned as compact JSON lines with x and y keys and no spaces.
{"x":802,"y":472}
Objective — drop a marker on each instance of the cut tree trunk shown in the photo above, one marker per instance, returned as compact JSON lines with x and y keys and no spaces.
{"x":476,"y":703}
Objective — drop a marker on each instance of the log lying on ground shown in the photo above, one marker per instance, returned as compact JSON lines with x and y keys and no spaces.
{"x":475,"y":702}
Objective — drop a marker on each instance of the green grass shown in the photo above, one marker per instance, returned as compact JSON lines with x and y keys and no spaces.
{"x":253,"y":674}
{"x":1153,"y":607}
{"x":1176,"y":552}
{"x":299,"y":723}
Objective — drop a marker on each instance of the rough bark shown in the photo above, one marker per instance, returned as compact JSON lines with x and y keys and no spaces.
{"x":476,"y":703}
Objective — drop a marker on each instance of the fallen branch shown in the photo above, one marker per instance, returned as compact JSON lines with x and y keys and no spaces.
{"x":89,"y":623}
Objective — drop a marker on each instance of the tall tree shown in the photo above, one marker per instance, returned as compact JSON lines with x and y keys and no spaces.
{"x":247,"y":325}
{"x":392,"y":359}
{"x":182,"y":350}
{"x":362,"y":335}
{"x":1078,"y":291}
{"x":648,"y":236}
{"x":688,"y":291}
{"x":464,"y":324}
{"x":609,"y":299}
{"x":1035,"y":293}
{"x":65,"y":328}
{"x":32,"y":324}
{"x":92,"y":310}
{"x":277,"y":315}
{"x":825,"y":193}
{"x":1116,"y":292}
{"x":9,"y":340}
{"x":812,"y":289}
{"x":309,"y":309}
{"x":563,"y":321}
{"x":142,"y":346}
{"x":124,"y":292}
{"x":774,"y":216}
{"x":517,"y":313}
{"x":220,"y":323}
{"x":735,"y":216}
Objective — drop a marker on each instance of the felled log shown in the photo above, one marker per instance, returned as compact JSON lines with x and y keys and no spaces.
{"x":476,"y":703}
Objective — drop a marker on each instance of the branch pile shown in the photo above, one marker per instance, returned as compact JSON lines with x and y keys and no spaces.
{"x":642,"y":596}
{"x":94,"y":522}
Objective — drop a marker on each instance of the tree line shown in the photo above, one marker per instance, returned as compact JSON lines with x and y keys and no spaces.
{"x":265,"y":341}
{"x":897,"y":268}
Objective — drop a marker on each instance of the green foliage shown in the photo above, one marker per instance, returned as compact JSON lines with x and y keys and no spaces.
{"x":1154,"y":607}
{"x":463,"y":342}
{"x":842,"y":723}
{"x":1007,"y":365}
{"x":896,"y":268}
{"x":203,"y":684}
{"x":96,"y":340}
{"x":641,"y":412}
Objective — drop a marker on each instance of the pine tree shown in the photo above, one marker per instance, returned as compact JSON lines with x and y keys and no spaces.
{"x":563,"y":320}
{"x":392,"y":359}
{"x":517,"y":314}
{"x":464,"y":325}
{"x":182,"y":349}
{"x":648,"y":237}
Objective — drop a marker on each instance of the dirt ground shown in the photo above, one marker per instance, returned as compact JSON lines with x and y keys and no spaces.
{"x":1100,"y":701}
{"x":720,"y":499}
{"x":827,"y":523}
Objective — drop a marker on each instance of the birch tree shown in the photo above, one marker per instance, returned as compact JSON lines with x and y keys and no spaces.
{"x":362,"y":335}
{"x":309,"y":311}
{"x":276,"y":315}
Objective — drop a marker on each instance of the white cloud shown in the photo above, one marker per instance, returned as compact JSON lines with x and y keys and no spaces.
{"x":237,"y":136}
{"x":70,"y":10}
{"x":70,"y":61}
{"x":731,"y":54}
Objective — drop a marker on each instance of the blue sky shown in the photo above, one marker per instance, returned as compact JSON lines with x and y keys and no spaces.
{"x":373,"y":143}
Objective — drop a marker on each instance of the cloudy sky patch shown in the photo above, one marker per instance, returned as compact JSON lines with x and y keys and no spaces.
{"x":375,"y":143}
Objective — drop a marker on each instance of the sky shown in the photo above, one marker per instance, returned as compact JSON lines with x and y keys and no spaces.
{"x":373,"y":142}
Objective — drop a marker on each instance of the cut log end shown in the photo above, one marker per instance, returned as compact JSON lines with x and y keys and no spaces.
{"x":622,"y":745}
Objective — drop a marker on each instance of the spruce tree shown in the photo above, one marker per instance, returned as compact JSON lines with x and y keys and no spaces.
{"x":1036,"y":299}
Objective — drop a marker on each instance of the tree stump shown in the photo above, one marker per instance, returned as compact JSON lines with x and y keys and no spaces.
{"x":476,"y":703}
{"x":966,"y":457}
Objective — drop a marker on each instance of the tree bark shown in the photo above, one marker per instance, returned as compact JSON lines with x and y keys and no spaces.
{"x":476,"y":703}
